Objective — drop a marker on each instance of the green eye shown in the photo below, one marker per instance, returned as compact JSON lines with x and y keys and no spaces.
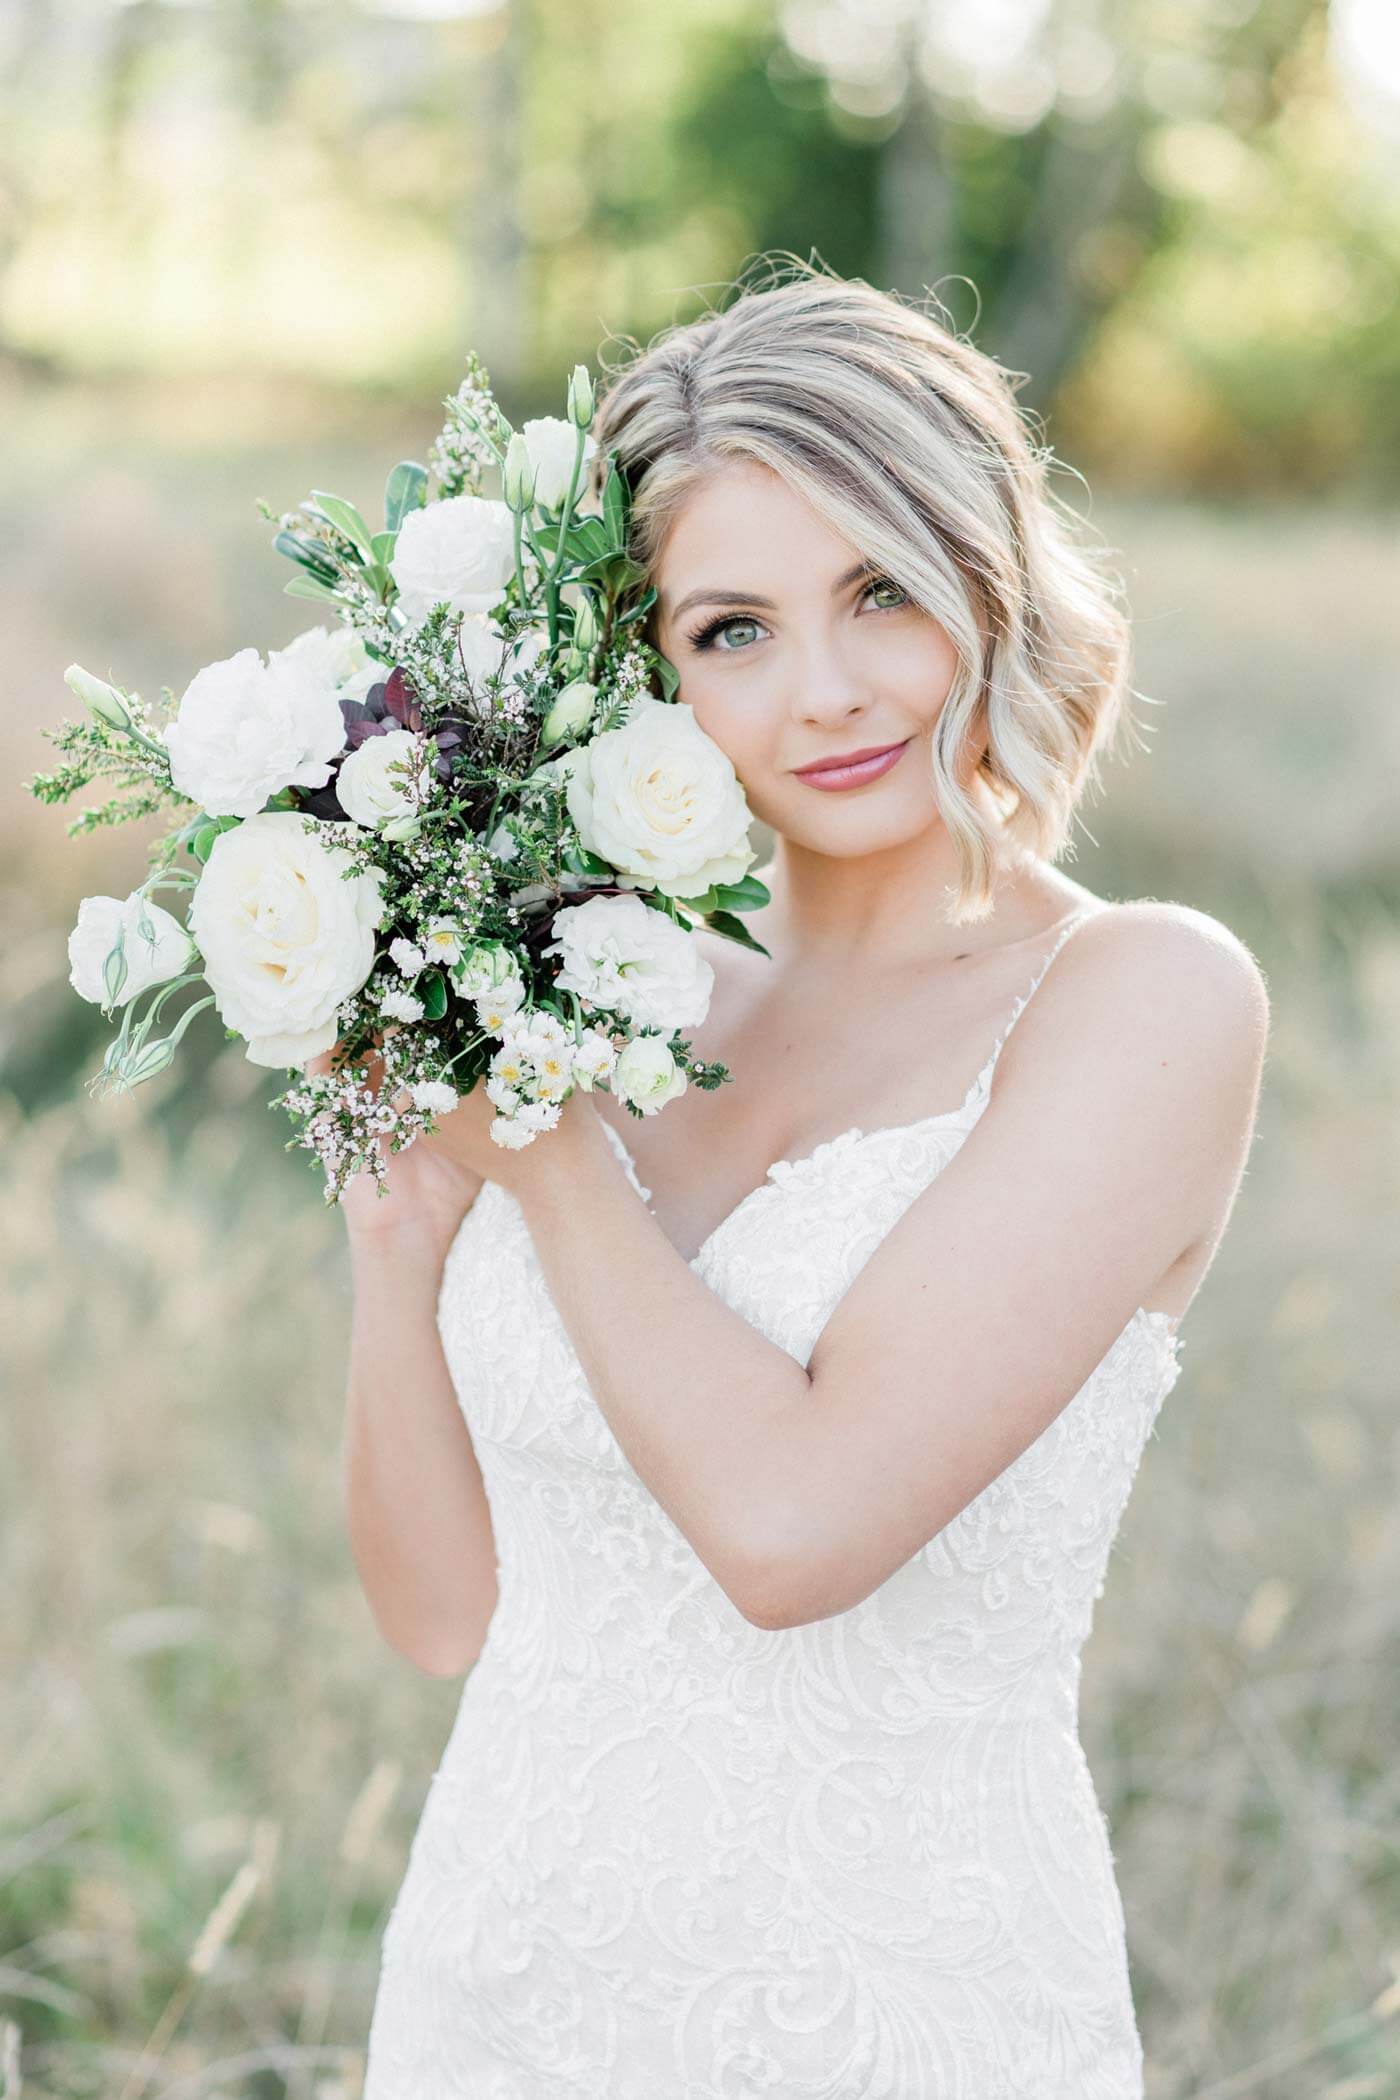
{"x":885,"y":583}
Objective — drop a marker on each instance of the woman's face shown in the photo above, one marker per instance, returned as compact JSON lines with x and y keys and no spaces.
{"x":792,"y":651}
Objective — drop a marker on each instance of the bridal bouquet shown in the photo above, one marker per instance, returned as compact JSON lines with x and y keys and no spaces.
{"x":467,"y":830}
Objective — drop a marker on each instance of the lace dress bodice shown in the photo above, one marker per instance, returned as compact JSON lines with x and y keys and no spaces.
{"x":669,"y":1855}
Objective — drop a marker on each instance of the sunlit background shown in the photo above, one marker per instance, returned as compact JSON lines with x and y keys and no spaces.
{"x":243,"y":251}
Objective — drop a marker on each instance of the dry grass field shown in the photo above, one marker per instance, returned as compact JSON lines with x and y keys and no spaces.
{"x":196,"y":1701}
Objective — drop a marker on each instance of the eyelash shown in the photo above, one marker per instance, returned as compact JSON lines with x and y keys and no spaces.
{"x":704,"y":637}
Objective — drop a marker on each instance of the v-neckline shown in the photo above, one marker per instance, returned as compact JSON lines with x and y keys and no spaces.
{"x":780,"y":1168}
{"x":857,"y":1132}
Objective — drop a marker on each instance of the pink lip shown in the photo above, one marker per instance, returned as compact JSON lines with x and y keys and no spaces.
{"x":856,"y":769}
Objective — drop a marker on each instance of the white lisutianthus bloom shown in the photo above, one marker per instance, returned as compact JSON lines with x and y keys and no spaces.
{"x":371,"y":793}
{"x":551,"y":443}
{"x":434,"y":1098}
{"x":593,"y":1060}
{"x":660,"y":800}
{"x":244,"y":730}
{"x":333,"y":656}
{"x":400,"y":1005}
{"x":92,"y":940}
{"x":621,"y":953}
{"x":647,"y":1075}
{"x":406,"y":957}
{"x":441,"y":940}
{"x":285,"y":933}
{"x":459,"y":552}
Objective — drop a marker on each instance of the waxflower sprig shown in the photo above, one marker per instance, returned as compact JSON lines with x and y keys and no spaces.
{"x":468,"y":830}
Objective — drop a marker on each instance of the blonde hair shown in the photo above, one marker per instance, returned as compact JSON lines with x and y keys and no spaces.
{"x":909,"y":442}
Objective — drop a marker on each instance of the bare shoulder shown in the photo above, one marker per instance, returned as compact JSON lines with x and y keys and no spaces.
{"x":1143,"y":989}
{"x":1190,"y":962}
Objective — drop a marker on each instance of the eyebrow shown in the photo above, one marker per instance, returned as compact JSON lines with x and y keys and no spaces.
{"x":842,"y":583}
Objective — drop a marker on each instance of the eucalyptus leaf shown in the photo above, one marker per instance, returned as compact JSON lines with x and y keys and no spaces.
{"x":405,"y":490}
{"x":433,"y":993}
{"x":310,"y":587}
{"x":306,"y":554}
{"x":346,"y":519}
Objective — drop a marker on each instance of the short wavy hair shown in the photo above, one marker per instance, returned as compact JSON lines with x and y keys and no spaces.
{"x":909,"y":442}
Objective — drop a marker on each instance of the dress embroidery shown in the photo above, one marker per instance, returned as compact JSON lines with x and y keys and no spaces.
{"x":668,"y":1855}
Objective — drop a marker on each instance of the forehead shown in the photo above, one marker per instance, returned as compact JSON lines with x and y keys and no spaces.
{"x":740,"y":524}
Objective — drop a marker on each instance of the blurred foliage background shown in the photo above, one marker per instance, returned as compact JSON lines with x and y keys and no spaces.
{"x":244,"y":246}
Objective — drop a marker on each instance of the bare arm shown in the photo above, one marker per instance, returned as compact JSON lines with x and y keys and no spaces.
{"x":416,"y":1511}
{"x":1127,"y":1091}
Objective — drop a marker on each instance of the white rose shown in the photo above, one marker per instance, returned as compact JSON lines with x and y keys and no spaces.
{"x":551,"y":443}
{"x":485,"y":967}
{"x":618,"y":952}
{"x":285,"y":937}
{"x":245,"y":730}
{"x":373,"y":795}
{"x":647,"y":1075}
{"x":92,"y":940}
{"x":661,"y":801}
{"x":460,"y":551}
{"x":333,"y":656}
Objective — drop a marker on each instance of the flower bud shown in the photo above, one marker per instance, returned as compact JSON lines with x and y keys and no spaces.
{"x":400,"y":829}
{"x":586,"y":628}
{"x":571,"y":712}
{"x":518,"y":475}
{"x":98,"y":697}
{"x":580,"y":397}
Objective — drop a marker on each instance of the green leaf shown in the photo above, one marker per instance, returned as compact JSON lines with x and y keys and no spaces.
{"x":668,"y":677}
{"x":747,"y":895}
{"x":734,"y":930}
{"x":310,"y":587}
{"x":383,"y":545}
{"x":637,"y":611}
{"x":433,"y":993}
{"x":346,"y":519}
{"x":405,"y":490}
{"x":306,"y":554}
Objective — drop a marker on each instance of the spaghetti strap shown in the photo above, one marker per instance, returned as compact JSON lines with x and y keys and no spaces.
{"x":983,"y":1081}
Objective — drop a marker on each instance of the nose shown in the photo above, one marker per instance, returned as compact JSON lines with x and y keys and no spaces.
{"x":830,"y":690}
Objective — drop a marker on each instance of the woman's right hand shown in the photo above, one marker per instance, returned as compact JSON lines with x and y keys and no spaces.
{"x":428,"y":1191}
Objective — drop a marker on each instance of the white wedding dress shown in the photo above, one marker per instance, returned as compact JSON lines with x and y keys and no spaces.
{"x":668,"y":1855}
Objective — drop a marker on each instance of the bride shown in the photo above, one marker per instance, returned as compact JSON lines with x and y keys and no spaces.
{"x":761,"y":1459}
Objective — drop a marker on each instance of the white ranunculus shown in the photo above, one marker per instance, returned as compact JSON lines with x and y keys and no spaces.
{"x":285,"y":935}
{"x":335,"y":656}
{"x":661,"y":801}
{"x":647,"y":1075}
{"x":245,"y":730}
{"x":374,"y":795}
{"x":618,"y":952}
{"x":460,"y":551}
{"x":551,"y":443}
{"x":95,"y":935}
